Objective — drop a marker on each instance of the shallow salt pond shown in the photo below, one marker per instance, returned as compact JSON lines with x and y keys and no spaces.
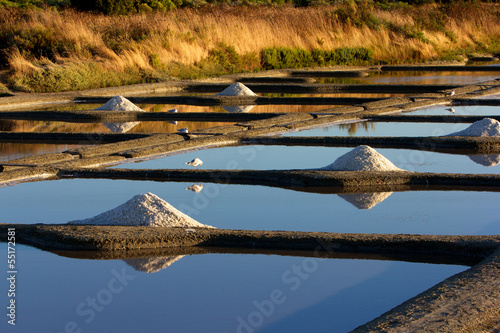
{"x":259,"y":157}
{"x":372,"y":128}
{"x":262,"y":208}
{"x":183,"y":108}
{"x":451,"y":78}
{"x":459,"y":110}
{"x":211,"y":292}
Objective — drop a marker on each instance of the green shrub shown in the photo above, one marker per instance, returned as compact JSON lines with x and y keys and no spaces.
{"x":106,"y":6}
{"x":279,"y":58}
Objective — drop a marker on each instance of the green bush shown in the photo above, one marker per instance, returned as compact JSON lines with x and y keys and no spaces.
{"x":106,"y":6}
{"x":279,"y":58}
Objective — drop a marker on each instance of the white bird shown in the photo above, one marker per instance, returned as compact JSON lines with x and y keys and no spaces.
{"x":195,"y":188}
{"x":452,"y":110}
{"x":172,"y":111}
{"x":450,"y":93}
{"x":196,"y":162}
{"x":173,"y":122}
{"x":183,"y":130}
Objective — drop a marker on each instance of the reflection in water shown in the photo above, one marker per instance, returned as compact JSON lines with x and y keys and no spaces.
{"x":195,"y":188}
{"x":238,"y":108}
{"x":12,"y":151}
{"x":352,"y":128}
{"x":153,"y":264}
{"x":6,"y":125}
{"x":121,"y":127}
{"x":418,"y":77}
{"x":486,"y":160}
{"x":365,"y":200}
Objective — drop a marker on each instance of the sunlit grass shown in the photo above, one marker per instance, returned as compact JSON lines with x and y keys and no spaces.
{"x":48,"y":50}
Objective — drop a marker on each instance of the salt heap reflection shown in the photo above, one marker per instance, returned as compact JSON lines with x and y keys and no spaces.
{"x":153,"y":264}
{"x":365,"y":200}
{"x":238,"y":108}
{"x":486,"y":160}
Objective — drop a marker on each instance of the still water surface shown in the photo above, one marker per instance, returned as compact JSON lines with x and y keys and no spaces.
{"x":210,"y":293}
{"x":263,"y":208}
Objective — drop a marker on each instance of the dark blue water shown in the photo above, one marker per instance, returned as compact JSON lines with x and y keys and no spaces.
{"x":210,"y":293}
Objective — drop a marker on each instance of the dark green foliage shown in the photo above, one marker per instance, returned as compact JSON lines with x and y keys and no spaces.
{"x":37,"y":42}
{"x":34,"y":3}
{"x":278,"y":58}
{"x":106,"y":6}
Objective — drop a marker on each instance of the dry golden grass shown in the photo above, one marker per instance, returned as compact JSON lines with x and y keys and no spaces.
{"x":153,"y":41}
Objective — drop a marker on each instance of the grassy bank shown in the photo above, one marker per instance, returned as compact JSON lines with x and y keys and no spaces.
{"x":58,"y":50}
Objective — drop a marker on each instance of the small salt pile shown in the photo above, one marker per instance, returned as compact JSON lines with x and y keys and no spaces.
{"x":362,"y":158}
{"x":237,"y":89}
{"x":484,"y":127}
{"x":119,"y":103}
{"x":365,"y":200}
{"x":144,"y":210}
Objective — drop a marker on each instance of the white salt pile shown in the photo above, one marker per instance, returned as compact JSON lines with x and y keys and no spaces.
{"x":362,"y":158}
{"x":486,"y":160}
{"x":365,"y":200}
{"x":153,"y":264}
{"x":237,"y":89}
{"x":119,"y":103}
{"x":144,"y":210}
{"x":484,"y":127}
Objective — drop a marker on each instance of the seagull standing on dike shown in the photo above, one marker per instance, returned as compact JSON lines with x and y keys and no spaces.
{"x":183,"y":130}
{"x":196,"y":162}
{"x":452,"y":110}
{"x":173,"y":111}
{"x":450,"y":93}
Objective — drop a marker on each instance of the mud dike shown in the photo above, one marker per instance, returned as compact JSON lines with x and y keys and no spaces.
{"x":469,"y":301}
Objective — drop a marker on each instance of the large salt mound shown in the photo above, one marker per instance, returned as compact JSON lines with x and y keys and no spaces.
{"x":237,"y":89}
{"x":144,"y":210}
{"x":119,"y":103}
{"x":484,"y":127}
{"x":362,"y":158}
